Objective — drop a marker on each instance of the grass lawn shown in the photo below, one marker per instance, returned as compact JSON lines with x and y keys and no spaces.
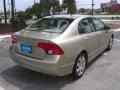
{"x":8,"y":29}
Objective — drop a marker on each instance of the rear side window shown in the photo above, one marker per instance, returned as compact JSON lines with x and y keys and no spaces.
{"x":84,"y":26}
{"x":99,"y":25}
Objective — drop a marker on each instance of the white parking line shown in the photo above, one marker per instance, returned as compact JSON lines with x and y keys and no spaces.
{"x":118,"y":40}
{"x":2,"y":88}
{"x":3,"y":36}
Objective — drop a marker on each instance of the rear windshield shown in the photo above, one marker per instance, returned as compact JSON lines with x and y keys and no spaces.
{"x":52,"y":25}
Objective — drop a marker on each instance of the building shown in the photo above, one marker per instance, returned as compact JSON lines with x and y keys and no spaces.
{"x":111,"y":7}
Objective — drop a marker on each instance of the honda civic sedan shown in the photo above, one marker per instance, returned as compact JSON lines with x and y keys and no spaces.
{"x":61,"y":44}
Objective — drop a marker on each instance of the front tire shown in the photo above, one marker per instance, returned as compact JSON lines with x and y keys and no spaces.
{"x":80,"y":66}
{"x":110,"y":45}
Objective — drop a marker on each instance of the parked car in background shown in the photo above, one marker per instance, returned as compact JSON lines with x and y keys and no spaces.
{"x":61,"y":44}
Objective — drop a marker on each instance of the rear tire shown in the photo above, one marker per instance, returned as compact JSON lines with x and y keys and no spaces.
{"x":80,"y":66}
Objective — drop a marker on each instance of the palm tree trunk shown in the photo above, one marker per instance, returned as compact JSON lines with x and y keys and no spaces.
{"x":4,"y":3}
{"x":12,"y":11}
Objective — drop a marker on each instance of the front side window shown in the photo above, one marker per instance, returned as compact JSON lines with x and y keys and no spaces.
{"x":84,"y":26}
{"x":99,"y":25}
{"x":53,"y":25}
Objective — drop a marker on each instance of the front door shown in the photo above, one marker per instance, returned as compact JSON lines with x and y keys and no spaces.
{"x":103,"y":33}
{"x":91,"y":38}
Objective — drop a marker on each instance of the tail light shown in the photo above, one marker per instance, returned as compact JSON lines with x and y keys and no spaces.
{"x":50,"y":48}
{"x":14,"y":40}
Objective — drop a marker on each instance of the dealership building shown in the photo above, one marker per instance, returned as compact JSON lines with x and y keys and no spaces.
{"x":112,"y":6}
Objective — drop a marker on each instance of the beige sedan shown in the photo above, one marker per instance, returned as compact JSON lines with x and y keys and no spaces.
{"x":61,"y":44}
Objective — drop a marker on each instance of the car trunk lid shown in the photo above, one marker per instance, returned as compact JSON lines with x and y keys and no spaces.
{"x":27,"y":43}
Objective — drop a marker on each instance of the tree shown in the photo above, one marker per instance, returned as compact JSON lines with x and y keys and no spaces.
{"x":5,"y":13}
{"x":37,"y":9}
{"x":55,"y":6}
{"x":44,"y":8}
{"x":28,"y":13}
{"x":12,"y":8}
{"x":47,"y":5}
{"x":70,"y":6}
{"x":82,"y":10}
{"x":20,"y":18}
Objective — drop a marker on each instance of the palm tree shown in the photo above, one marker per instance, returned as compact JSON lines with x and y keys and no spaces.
{"x":4,"y":3}
{"x":12,"y":10}
{"x":70,"y":6}
{"x":55,"y":5}
{"x":48,"y":4}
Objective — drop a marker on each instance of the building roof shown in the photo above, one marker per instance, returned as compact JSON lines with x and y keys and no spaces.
{"x":109,"y":3}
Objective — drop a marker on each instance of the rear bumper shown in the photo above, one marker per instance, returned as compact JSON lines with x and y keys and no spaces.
{"x":42,"y":66}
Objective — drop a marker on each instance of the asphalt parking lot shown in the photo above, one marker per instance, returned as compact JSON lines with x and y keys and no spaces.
{"x":102,"y":74}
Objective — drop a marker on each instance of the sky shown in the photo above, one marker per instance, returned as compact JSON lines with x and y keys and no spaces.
{"x":23,"y":4}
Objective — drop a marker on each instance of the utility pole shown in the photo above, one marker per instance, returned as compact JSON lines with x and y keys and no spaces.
{"x":5,"y":13}
{"x":34,"y":10}
{"x":92,"y":7}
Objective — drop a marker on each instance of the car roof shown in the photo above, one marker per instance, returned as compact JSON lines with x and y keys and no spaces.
{"x":72,"y":16}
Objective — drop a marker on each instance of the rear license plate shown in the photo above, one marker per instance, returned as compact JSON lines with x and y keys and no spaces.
{"x":26,"y":48}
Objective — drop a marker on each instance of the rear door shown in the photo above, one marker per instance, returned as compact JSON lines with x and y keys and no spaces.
{"x":91,"y":38}
{"x":103,"y":33}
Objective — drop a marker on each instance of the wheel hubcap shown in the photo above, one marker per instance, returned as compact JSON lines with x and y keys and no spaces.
{"x":81,"y":65}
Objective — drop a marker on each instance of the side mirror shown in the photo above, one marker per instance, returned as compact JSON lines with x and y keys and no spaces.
{"x":107,"y":27}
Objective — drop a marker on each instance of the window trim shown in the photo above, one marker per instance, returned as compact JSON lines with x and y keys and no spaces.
{"x":79,"y":25}
{"x":95,"y":30}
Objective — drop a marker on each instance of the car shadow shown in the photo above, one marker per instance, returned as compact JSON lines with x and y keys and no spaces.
{"x":30,"y":80}
{"x":95,"y":59}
